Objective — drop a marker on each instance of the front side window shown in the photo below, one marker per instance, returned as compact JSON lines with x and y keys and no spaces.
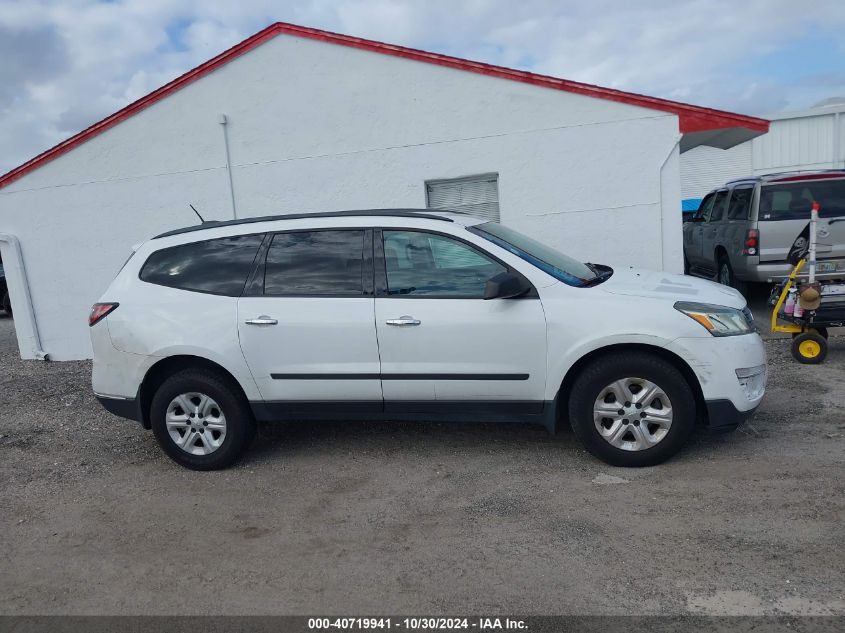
{"x":706,"y":206}
{"x":426,"y":264}
{"x":329,"y":262}
{"x":220,"y":266}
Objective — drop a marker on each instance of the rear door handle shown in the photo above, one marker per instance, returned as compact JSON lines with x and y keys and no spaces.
{"x":262,"y":320}
{"x":404,"y":320}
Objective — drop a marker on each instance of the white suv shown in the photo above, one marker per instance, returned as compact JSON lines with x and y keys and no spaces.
{"x":412,"y":314}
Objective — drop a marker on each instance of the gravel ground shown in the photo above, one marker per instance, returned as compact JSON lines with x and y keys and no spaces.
{"x":367,"y":518}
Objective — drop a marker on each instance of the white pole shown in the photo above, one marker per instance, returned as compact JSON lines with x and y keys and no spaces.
{"x":814,"y":216}
{"x":224,"y":122}
{"x":18,"y":286}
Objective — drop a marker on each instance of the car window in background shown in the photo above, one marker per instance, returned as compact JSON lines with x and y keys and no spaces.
{"x":740,"y":203}
{"x":717,"y":214}
{"x":328,"y":262}
{"x":705,"y":207}
{"x":219,"y":266}
{"x":551,"y":261}
{"x":792,"y":201}
{"x":426,"y":264}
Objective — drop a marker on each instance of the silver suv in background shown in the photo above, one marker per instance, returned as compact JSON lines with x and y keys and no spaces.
{"x":754,"y":229}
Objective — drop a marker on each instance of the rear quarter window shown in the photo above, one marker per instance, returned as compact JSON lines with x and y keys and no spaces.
{"x":792,"y":201}
{"x":220,"y":266}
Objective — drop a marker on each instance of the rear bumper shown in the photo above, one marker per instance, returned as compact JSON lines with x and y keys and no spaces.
{"x":774,"y":272}
{"x":122,"y":407}
{"x":723,"y":416}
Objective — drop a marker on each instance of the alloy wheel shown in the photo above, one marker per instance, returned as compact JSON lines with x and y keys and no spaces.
{"x":196,"y":423}
{"x":633,"y":414}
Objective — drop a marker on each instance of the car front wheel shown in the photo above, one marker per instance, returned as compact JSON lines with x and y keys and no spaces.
{"x":200,"y":420}
{"x":632,"y":409}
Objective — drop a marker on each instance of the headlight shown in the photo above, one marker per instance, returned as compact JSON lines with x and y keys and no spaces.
{"x":718,"y":320}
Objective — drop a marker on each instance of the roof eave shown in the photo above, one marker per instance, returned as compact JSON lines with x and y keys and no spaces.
{"x":691,"y":118}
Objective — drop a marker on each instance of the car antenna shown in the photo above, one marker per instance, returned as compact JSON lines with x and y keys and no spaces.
{"x":197,"y":212}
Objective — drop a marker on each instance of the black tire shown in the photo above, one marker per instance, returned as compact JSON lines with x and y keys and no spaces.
{"x":725,"y":274}
{"x":686,"y":265}
{"x":240,"y":424}
{"x":607,"y":369}
{"x":809,"y":348}
{"x":7,"y":303}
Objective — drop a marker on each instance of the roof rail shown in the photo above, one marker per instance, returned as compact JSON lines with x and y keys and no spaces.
{"x":401,"y":213}
{"x":784,"y":175}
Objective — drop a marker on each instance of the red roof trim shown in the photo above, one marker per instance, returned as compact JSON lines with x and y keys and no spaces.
{"x":691,"y":118}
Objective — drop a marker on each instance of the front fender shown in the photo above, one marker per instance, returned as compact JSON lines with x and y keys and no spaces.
{"x":560,"y":364}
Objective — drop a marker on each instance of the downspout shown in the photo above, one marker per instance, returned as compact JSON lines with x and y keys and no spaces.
{"x":25,"y":325}
{"x":837,"y":140}
{"x":224,"y":121}
{"x":660,"y":186}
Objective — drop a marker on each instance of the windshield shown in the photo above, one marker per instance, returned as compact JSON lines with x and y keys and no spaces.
{"x":792,"y":201}
{"x":547,"y":259}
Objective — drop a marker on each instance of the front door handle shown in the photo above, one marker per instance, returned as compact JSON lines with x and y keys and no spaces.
{"x":404,"y":320}
{"x":262,"y":320}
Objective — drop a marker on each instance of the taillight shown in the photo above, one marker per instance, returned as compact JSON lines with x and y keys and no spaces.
{"x":99,"y":311}
{"x":752,"y":242}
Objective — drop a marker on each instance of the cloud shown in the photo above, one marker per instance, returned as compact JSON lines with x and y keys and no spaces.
{"x":65,"y":64}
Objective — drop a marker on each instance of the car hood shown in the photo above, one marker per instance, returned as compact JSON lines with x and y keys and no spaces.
{"x":637,"y":282}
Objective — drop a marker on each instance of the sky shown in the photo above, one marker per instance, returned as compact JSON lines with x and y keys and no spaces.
{"x":65,"y":64}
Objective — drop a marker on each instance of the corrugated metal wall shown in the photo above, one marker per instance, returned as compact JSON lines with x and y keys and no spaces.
{"x":705,"y":168}
{"x":801,"y":143}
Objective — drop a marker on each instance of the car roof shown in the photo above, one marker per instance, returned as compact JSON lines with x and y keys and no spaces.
{"x":786,"y":176}
{"x":430,"y":214}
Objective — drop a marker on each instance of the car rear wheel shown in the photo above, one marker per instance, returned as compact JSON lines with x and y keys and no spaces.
{"x":632,"y":409}
{"x":725,"y":274}
{"x":6,"y":303}
{"x":200,"y":420}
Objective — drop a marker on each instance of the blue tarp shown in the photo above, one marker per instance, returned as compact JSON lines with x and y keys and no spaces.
{"x":690,"y":204}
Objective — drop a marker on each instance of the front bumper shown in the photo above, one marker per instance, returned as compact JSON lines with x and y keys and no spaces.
{"x":723,"y":416}
{"x":715,"y":361}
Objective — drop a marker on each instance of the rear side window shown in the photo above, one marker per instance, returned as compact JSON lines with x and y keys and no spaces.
{"x":316,"y":263}
{"x":740,"y":203}
{"x":792,"y":201}
{"x":219,"y":267}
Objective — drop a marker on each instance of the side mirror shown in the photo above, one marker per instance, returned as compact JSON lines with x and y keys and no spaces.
{"x":506,"y":286}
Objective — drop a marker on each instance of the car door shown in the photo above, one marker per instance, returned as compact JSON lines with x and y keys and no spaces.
{"x":441,"y":342}
{"x":306,"y":322}
{"x":711,"y":228}
{"x":692,"y":230}
{"x":736,"y":228}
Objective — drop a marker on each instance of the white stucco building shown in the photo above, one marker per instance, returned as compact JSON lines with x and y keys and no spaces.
{"x":316,"y":121}
{"x":804,"y":140}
